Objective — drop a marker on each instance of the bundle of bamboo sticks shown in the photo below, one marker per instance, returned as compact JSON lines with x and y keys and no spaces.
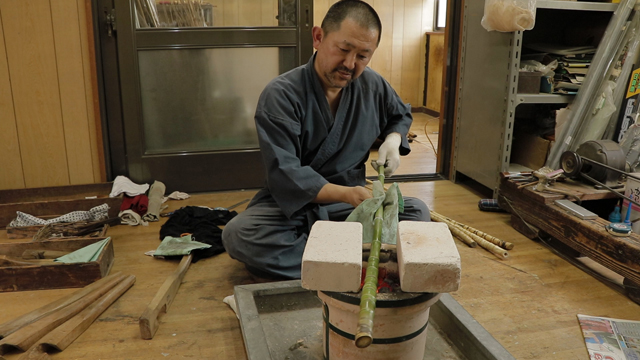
{"x":58,"y":324}
{"x":472,"y":237}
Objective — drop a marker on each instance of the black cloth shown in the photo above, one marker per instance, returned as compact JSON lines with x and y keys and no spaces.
{"x":203,"y":224}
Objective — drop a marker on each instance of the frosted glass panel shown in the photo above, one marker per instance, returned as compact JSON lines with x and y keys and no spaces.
{"x":203,"y":99}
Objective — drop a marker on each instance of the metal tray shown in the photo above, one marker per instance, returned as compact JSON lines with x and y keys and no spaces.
{"x":283,"y":321}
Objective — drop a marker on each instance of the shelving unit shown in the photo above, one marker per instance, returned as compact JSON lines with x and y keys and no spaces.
{"x":487,"y":87}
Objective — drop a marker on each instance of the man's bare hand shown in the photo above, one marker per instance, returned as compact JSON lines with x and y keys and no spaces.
{"x":357,"y":195}
{"x":352,"y":195}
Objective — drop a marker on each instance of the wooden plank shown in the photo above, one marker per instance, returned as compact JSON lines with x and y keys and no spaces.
{"x":51,"y":193}
{"x":372,"y":60}
{"x":436,"y":66}
{"x":56,"y":200}
{"x":267,"y":15}
{"x":33,"y":72}
{"x":589,"y":237}
{"x":249,"y":12}
{"x":163,"y":299}
{"x":218,"y":12}
{"x":11,"y":176}
{"x":397,"y":53}
{"x":50,"y":276}
{"x":25,"y":337}
{"x":411,"y":51}
{"x":66,"y":33}
{"x":92,"y":229}
{"x":383,"y":54}
{"x":230,"y":13}
{"x":320,"y":8}
{"x":11,"y":326}
{"x":66,"y":333}
{"x":90,"y":71}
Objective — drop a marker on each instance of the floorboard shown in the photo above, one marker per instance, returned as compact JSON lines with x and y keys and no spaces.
{"x":528,"y":302}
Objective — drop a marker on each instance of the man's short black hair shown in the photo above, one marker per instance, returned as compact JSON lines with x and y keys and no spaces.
{"x":359,"y":11}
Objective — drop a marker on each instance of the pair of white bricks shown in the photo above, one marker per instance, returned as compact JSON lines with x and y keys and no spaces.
{"x":428,"y":260}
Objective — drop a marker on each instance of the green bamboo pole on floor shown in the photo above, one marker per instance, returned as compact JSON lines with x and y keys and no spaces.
{"x":364,"y":335}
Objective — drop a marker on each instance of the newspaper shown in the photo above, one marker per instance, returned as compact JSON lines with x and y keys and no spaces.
{"x":610,"y":339}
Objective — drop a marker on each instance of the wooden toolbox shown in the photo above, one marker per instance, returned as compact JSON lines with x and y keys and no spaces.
{"x":49,"y":275}
{"x":56,"y":200}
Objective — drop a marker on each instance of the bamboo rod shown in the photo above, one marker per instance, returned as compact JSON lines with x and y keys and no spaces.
{"x":492,"y":248}
{"x":457,"y":231}
{"x":492,"y":239}
{"x":364,"y":335}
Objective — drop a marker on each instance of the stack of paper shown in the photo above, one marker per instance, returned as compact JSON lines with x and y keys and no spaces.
{"x":573,"y":64}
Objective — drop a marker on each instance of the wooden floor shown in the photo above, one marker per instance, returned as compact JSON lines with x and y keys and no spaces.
{"x":528,"y":302}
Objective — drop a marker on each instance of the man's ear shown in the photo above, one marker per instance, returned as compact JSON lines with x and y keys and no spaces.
{"x":317,"y":35}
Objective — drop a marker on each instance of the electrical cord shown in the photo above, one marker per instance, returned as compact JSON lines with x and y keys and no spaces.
{"x":428,"y":138}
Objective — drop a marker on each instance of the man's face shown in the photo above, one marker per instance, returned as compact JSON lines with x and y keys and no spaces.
{"x":343,"y":54}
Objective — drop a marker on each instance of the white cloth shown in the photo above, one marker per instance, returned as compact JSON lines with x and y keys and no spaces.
{"x":130,"y":217}
{"x":156,"y":194}
{"x":231,"y":301}
{"x":97,"y":213}
{"x":122,"y":184}
{"x":176,"y":195}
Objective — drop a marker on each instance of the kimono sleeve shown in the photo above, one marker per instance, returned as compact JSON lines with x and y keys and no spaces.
{"x":398,"y":116}
{"x":291,"y":185}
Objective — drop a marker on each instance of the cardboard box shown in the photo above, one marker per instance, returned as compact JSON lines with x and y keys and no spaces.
{"x":529,"y":150}
{"x":56,"y":201}
{"x":42,"y":276}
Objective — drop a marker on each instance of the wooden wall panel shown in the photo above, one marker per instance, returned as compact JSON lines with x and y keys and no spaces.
{"x":411,"y":52}
{"x":384,"y":53}
{"x":320,"y":8}
{"x":397,"y":53}
{"x":230,"y":16}
{"x":269,"y":11}
{"x":218,"y":12}
{"x":249,"y":12}
{"x":436,"y":67}
{"x":89,"y":67}
{"x":32,"y":68}
{"x":11,"y":175}
{"x":66,"y":32}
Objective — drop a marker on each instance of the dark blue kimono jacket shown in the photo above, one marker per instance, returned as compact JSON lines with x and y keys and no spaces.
{"x":304,"y":147}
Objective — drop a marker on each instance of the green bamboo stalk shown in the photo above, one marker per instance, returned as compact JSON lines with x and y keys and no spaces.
{"x":364,"y":335}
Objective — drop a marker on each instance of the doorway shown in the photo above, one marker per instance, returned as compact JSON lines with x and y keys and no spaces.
{"x":181,"y":82}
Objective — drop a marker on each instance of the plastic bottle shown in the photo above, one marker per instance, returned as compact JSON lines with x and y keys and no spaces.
{"x":615,"y":216}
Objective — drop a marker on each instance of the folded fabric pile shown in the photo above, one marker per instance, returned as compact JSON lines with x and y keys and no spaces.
{"x":203,"y":224}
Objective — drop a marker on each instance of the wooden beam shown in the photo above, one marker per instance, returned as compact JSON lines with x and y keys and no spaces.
{"x":66,"y":333}
{"x":26,"y":336}
{"x":10,"y":327}
{"x":163,"y":299}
